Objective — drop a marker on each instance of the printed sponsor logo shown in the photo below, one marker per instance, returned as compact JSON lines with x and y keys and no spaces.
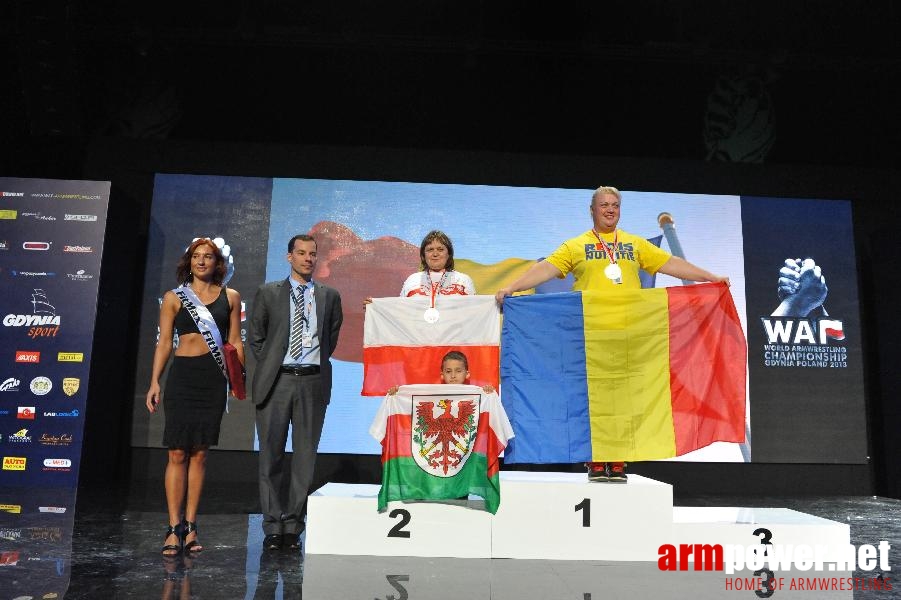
{"x":79,"y":275}
{"x":19,"y":437}
{"x":65,"y":196}
{"x":71,"y":385}
{"x":63,"y":439}
{"x":28,"y":356}
{"x":14,"y":463}
{"x":36,"y":245}
{"x":84,"y":218}
{"x":9,"y":558}
{"x":71,"y":413}
{"x":31,"y":273}
{"x":25,"y":412}
{"x":12,"y":194}
{"x":43,"y":322}
{"x":50,"y":534}
{"x":78,"y":249}
{"x":41,"y":386}
{"x":11,"y":534}
{"x":4,"y":245}
{"x":8,"y":213}
{"x":11,"y":384}
{"x":38,"y":216}
{"x":15,"y":509}
{"x":57,"y":510}
{"x":70,"y":357}
{"x":57,"y":463}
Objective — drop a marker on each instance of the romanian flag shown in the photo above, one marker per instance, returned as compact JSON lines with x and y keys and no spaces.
{"x":441,"y":442}
{"x":623,"y":375}
{"x":400,"y":346}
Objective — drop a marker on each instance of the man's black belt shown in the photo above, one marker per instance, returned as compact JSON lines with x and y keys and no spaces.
{"x":304,"y":370}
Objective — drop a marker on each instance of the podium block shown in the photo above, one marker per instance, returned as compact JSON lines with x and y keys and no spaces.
{"x":343,"y":519}
{"x":751,"y":526}
{"x":563,"y":516}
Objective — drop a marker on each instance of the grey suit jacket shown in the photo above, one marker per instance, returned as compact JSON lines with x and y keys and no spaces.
{"x":270,"y":327}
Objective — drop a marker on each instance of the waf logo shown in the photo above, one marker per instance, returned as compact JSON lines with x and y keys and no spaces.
{"x":14,"y":463}
{"x":70,"y":385}
{"x":800,"y":332}
{"x":43,"y":322}
{"x":28,"y":356}
{"x":25,"y":412}
{"x":444,"y":433}
{"x":10,"y":384}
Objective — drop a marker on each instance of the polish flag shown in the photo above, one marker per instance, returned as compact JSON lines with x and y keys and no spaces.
{"x":400,"y":347}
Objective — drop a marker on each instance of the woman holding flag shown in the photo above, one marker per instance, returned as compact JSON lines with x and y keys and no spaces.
{"x":195,"y":395}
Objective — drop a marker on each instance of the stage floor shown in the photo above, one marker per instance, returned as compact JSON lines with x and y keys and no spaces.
{"x":107,"y":544}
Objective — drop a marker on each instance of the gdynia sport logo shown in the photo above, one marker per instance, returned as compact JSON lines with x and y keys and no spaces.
{"x":766,"y":559}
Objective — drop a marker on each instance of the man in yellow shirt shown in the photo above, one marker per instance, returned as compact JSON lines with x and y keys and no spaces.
{"x":606,"y":258}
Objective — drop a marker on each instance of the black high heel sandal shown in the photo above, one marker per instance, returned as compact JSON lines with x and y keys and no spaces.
{"x":193,"y":546}
{"x":172,"y":550}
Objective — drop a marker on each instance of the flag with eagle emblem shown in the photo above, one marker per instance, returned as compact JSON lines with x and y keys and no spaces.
{"x":441,"y":442}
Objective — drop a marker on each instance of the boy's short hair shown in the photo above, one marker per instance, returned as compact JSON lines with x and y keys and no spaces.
{"x":455,"y":355}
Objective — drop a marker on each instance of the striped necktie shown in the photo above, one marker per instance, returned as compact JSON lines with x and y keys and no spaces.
{"x":296,"y":322}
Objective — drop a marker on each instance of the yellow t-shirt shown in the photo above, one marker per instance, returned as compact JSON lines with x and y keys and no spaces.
{"x":586,"y":258}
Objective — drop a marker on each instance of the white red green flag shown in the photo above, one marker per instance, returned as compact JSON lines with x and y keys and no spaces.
{"x":441,"y":442}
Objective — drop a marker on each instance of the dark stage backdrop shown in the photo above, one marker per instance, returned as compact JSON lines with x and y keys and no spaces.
{"x":51,"y":243}
{"x":805,"y":404}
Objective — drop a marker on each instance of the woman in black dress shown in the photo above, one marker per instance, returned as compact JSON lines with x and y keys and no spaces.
{"x":195,"y":395}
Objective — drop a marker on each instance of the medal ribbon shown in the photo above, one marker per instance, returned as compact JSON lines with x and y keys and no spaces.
{"x":435,"y":287}
{"x":607,"y":249}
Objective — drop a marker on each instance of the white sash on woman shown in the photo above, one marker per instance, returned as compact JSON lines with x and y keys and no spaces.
{"x":206,"y":324}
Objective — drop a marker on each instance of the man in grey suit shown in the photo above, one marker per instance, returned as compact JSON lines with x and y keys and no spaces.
{"x":294,"y":331}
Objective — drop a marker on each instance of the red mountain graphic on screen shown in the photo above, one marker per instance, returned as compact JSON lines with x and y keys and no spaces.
{"x":359,"y":269}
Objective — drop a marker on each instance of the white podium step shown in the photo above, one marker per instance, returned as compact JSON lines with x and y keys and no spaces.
{"x":563,"y":516}
{"x":556,"y":516}
{"x":751,"y":526}
{"x":343,"y":519}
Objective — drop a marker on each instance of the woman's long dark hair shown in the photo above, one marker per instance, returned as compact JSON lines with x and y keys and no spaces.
{"x":183,"y":270}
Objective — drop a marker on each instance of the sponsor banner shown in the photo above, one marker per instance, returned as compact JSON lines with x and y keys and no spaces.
{"x":82,"y":218}
{"x":14,"y":463}
{"x":57,"y":510}
{"x":54,"y":249}
{"x":11,"y":508}
{"x":10,"y":384}
{"x":41,"y":386}
{"x":39,"y":246}
{"x":56,"y":439}
{"x":28,"y":356}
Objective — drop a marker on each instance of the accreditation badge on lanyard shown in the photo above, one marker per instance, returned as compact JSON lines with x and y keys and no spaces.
{"x":613,"y":271}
